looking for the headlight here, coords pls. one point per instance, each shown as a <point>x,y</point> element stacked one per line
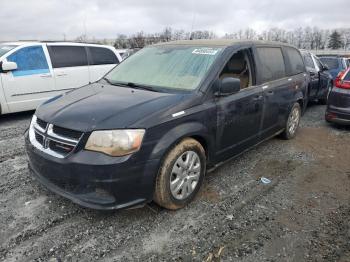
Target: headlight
<point>115,142</point>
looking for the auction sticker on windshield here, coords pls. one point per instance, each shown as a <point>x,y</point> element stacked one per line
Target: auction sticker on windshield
<point>206,51</point>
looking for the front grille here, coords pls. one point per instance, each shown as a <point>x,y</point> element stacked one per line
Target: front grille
<point>54,140</point>
<point>41,123</point>
<point>67,132</point>
<point>60,147</point>
<point>39,138</point>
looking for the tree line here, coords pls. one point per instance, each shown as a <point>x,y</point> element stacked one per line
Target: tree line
<point>304,37</point>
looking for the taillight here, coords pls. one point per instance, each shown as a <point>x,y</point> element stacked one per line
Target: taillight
<point>340,82</point>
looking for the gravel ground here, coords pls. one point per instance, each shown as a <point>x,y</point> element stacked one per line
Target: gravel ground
<point>302,215</point>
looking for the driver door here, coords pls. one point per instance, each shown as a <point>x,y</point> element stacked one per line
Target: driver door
<point>239,115</point>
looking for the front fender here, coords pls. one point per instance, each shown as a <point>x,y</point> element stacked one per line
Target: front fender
<point>174,135</point>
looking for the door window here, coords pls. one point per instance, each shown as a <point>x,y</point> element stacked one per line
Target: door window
<point>318,63</point>
<point>272,63</point>
<point>308,60</point>
<point>102,56</point>
<point>30,61</point>
<point>296,64</point>
<point>239,66</point>
<point>68,56</point>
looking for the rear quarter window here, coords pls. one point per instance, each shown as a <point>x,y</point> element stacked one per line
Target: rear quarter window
<point>68,56</point>
<point>102,56</point>
<point>272,63</point>
<point>295,62</point>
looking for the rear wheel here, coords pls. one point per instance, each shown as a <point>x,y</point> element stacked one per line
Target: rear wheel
<point>180,175</point>
<point>292,123</point>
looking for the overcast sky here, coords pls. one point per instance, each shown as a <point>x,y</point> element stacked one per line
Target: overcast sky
<point>52,19</point>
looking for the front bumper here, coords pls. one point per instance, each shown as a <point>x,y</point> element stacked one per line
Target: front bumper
<point>95,180</point>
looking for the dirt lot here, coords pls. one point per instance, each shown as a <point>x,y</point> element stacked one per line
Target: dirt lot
<point>302,215</point>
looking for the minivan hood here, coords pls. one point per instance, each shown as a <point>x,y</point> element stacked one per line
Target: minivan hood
<point>101,106</point>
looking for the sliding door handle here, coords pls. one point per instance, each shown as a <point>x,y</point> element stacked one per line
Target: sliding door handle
<point>61,74</point>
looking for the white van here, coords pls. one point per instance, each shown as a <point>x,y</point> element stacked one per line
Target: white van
<point>33,72</point>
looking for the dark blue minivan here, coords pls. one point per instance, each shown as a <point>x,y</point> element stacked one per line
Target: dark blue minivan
<point>152,126</point>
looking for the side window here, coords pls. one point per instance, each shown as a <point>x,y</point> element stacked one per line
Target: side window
<point>240,66</point>
<point>296,64</point>
<point>68,56</point>
<point>102,56</point>
<point>272,63</point>
<point>308,60</point>
<point>318,63</point>
<point>30,61</point>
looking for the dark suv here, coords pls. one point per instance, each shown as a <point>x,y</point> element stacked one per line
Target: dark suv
<point>321,81</point>
<point>152,126</point>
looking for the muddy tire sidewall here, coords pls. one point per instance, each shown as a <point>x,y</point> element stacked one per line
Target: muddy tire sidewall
<point>162,194</point>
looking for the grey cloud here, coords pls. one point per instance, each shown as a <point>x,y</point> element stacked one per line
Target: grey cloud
<point>51,19</point>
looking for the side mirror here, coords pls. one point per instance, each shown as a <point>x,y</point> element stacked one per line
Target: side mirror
<point>8,66</point>
<point>228,86</point>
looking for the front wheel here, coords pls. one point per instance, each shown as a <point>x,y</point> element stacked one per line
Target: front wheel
<point>292,123</point>
<point>180,175</point>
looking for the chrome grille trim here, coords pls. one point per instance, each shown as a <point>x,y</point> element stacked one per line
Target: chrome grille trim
<point>51,134</point>
<point>48,136</point>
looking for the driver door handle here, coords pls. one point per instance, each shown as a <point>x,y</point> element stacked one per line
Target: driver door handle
<point>46,76</point>
<point>257,97</point>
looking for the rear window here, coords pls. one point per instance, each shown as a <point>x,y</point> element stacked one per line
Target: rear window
<point>347,76</point>
<point>68,56</point>
<point>102,56</point>
<point>332,63</point>
<point>272,61</point>
<point>296,63</point>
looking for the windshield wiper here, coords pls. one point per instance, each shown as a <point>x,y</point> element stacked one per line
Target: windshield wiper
<point>130,84</point>
<point>138,86</point>
<point>107,80</point>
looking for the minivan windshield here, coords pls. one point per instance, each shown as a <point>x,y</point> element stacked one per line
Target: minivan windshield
<point>170,67</point>
<point>5,48</point>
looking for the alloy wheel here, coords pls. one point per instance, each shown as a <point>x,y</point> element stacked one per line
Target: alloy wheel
<point>185,175</point>
<point>293,120</point>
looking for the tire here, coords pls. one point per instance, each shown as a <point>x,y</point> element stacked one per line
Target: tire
<point>184,165</point>
<point>292,122</point>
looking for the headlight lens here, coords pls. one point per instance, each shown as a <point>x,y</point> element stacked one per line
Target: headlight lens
<point>116,142</point>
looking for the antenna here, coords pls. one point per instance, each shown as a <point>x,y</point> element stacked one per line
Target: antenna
<point>193,22</point>
<point>85,30</point>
